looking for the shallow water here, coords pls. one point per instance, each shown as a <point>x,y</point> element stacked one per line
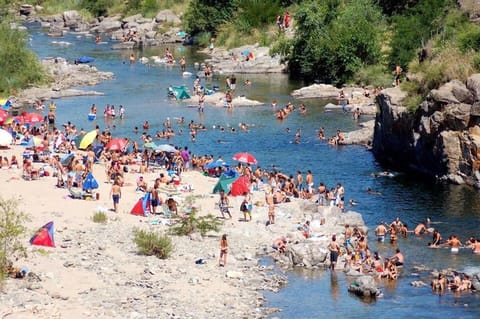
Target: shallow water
<point>142,90</point>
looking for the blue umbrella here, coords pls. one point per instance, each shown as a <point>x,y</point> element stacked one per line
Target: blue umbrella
<point>90,182</point>
<point>67,159</point>
<point>217,163</point>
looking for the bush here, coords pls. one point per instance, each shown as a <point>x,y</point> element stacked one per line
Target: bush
<point>374,75</point>
<point>99,217</point>
<point>192,223</point>
<point>17,61</point>
<point>11,230</point>
<point>150,243</point>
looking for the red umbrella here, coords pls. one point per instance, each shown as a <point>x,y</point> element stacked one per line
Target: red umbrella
<point>245,158</point>
<point>117,145</point>
<point>33,118</point>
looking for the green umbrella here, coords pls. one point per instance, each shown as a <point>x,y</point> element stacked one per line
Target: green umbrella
<point>150,145</point>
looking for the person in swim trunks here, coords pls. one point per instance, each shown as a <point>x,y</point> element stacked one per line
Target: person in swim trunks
<point>381,231</point>
<point>116,193</point>
<point>454,243</point>
<point>398,259</point>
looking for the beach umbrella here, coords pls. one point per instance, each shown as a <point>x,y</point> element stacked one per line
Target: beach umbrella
<point>217,163</point>
<point>5,138</point>
<point>117,145</point>
<point>90,182</point>
<point>88,139</point>
<point>165,148</point>
<point>33,118</point>
<point>150,145</point>
<point>67,159</point>
<point>245,158</point>
<point>32,142</point>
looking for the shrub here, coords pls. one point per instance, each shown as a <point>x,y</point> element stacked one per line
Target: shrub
<point>374,75</point>
<point>11,230</point>
<point>192,223</point>
<point>17,61</point>
<point>151,243</point>
<point>99,217</point>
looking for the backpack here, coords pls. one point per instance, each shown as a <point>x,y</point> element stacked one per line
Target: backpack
<point>243,206</point>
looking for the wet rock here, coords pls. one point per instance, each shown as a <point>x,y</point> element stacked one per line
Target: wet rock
<point>364,287</point>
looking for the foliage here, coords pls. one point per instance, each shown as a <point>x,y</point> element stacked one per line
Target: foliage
<point>391,7</point>
<point>99,217</point>
<point>207,15</point>
<point>192,223</point>
<point>374,75</point>
<point>255,14</point>
<point>333,41</point>
<point>11,230</point>
<point>20,66</point>
<point>151,243</point>
<point>415,27</point>
<point>97,7</point>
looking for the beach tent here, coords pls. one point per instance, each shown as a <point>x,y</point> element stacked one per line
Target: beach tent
<point>224,183</point>
<point>142,207</point>
<point>181,92</point>
<point>44,236</point>
<point>90,182</point>
<point>240,186</point>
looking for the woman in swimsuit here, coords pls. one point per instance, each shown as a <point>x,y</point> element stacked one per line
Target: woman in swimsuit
<point>223,251</point>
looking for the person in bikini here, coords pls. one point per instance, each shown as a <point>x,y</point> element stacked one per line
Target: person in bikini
<point>223,251</point>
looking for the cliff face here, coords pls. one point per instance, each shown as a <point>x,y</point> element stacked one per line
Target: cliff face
<point>441,139</point>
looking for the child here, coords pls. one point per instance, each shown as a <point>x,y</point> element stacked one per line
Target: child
<point>223,251</point>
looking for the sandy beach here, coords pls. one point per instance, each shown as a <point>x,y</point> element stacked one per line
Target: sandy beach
<point>95,270</point>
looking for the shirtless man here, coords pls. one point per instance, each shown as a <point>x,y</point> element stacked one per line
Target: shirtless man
<point>279,244</point>
<point>322,192</point>
<point>381,231</point>
<point>476,246</point>
<point>398,258</point>
<point>334,248</point>
<point>116,193</point>
<point>348,238</point>
<point>454,244</point>
<point>420,229</point>
<point>299,181</point>
<point>309,180</point>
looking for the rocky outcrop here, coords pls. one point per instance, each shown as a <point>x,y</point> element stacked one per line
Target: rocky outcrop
<point>237,60</point>
<point>147,32</point>
<point>65,76</point>
<point>441,139</point>
<point>362,136</point>
<point>364,287</point>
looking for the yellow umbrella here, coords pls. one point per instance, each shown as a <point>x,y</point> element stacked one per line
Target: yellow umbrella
<point>88,139</point>
<point>3,101</point>
<point>8,121</point>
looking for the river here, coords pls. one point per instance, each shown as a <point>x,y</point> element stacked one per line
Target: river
<point>309,294</point>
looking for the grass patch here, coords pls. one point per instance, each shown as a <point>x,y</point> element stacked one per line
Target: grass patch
<point>151,243</point>
<point>42,252</point>
<point>99,217</point>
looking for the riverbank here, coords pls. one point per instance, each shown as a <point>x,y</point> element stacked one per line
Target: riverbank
<point>95,270</point>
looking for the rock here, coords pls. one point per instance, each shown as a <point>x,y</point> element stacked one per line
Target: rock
<point>167,16</point>
<point>364,287</point>
<point>323,91</point>
<point>234,274</point>
<point>457,116</point>
<point>363,136</point>
<point>107,26</point>
<point>473,84</point>
<point>72,18</point>
<point>452,92</point>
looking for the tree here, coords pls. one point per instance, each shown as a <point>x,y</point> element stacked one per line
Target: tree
<point>207,15</point>
<point>333,41</point>
<point>20,66</point>
<point>11,229</point>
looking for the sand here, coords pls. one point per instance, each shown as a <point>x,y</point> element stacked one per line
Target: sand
<point>95,270</point>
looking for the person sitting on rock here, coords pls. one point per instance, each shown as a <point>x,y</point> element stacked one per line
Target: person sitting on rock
<point>280,244</point>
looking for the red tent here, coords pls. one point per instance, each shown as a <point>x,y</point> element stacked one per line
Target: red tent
<point>142,207</point>
<point>240,186</point>
<point>44,236</point>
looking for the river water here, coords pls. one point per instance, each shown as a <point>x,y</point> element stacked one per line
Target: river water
<point>455,209</point>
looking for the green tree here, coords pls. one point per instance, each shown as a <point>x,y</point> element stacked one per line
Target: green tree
<point>20,66</point>
<point>416,26</point>
<point>256,14</point>
<point>99,7</point>
<point>333,41</point>
<point>11,230</point>
<point>207,15</point>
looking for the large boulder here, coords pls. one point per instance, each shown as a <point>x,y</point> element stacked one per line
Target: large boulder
<point>316,91</point>
<point>72,18</point>
<point>108,25</point>
<point>364,287</point>
<point>167,16</point>
<point>452,92</point>
<point>473,84</point>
